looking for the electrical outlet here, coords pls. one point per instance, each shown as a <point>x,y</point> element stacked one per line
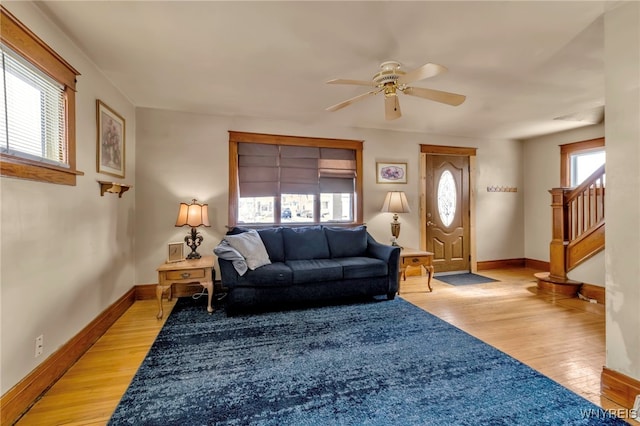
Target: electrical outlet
<point>39,345</point>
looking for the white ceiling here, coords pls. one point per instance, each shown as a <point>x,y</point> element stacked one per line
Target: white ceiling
<point>520,64</point>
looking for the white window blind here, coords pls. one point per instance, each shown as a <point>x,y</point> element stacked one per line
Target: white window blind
<point>32,112</point>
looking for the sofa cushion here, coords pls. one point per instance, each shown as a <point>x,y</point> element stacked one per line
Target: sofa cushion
<point>303,243</point>
<point>362,267</point>
<point>276,274</point>
<point>347,242</point>
<point>273,242</point>
<point>314,270</point>
<point>250,245</point>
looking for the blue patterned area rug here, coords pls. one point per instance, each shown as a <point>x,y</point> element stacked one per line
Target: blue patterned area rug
<point>464,279</point>
<point>376,363</point>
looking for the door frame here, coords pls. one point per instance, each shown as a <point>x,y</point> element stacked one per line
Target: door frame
<point>449,150</point>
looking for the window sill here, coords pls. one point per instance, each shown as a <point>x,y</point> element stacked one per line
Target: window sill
<point>294,225</point>
<point>31,170</point>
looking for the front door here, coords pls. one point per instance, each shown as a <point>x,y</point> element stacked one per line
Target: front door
<point>447,211</point>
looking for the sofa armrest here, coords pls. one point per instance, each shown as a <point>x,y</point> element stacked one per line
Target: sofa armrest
<point>228,274</point>
<point>391,255</point>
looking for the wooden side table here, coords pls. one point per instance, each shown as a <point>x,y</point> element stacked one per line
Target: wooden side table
<point>187,271</point>
<point>413,257</point>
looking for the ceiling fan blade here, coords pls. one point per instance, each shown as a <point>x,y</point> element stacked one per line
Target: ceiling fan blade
<point>356,82</point>
<point>425,71</point>
<point>392,107</point>
<point>435,95</point>
<point>352,100</point>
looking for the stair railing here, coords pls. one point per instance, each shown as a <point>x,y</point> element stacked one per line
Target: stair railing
<point>578,214</point>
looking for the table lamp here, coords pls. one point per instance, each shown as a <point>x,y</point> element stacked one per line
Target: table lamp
<point>395,202</point>
<point>193,215</point>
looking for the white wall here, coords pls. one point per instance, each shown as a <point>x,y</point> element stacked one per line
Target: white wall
<point>542,173</point>
<point>622,252</point>
<point>66,253</point>
<point>183,156</point>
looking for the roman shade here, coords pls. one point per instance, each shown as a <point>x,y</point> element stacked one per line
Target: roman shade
<point>299,169</point>
<point>258,170</point>
<point>337,170</point>
<point>266,170</point>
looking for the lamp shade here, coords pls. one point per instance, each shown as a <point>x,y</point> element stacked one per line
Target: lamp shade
<point>193,214</point>
<point>395,202</point>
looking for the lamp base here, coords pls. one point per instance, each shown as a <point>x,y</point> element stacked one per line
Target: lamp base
<point>193,240</point>
<point>395,230</point>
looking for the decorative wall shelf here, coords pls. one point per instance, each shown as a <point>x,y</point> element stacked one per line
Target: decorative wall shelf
<point>113,187</point>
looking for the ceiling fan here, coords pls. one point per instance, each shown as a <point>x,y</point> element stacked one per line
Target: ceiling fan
<point>391,79</point>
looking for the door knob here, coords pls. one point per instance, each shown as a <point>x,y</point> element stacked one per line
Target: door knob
<point>429,223</point>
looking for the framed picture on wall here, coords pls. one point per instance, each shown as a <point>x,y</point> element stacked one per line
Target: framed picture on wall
<point>391,172</point>
<point>110,149</point>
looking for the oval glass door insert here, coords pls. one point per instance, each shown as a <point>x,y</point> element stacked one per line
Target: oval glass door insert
<point>447,196</point>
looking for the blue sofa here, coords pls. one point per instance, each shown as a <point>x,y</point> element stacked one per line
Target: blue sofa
<point>309,263</point>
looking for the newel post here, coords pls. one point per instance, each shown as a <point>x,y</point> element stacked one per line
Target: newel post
<point>560,234</point>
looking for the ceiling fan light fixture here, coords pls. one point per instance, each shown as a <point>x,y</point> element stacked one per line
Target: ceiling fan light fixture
<point>390,90</point>
<point>388,74</point>
<point>391,78</point>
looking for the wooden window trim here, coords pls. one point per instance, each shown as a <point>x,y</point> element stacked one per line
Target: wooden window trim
<point>567,150</point>
<point>234,187</point>
<point>23,41</point>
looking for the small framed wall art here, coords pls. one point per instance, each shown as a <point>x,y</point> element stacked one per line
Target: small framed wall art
<point>110,141</point>
<point>176,252</point>
<point>391,172</point>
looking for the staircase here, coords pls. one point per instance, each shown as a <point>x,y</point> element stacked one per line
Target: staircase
<point>578,232</point>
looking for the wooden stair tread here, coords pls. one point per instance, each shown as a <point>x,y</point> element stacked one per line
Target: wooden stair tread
<point>565,287</point>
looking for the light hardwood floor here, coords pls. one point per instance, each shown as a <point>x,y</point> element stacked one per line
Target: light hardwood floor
<point>562,338</point>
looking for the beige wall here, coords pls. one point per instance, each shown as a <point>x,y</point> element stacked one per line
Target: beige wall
<point>499,215</point>
<point>622,252</point>
<point>66,252</point>
<point>183,156</point>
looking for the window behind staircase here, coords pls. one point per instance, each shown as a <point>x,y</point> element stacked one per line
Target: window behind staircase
<point>579,160</point>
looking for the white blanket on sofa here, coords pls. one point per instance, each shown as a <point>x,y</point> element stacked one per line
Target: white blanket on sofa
<point>226,252</point>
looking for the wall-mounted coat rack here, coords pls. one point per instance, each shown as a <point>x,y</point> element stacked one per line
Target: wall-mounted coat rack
<point>502,189</point>
<point>113,187</point>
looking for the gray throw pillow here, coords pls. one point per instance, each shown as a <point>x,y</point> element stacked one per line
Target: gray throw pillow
<point>250,246</point>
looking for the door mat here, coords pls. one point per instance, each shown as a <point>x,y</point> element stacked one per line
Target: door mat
<point>464,279</point>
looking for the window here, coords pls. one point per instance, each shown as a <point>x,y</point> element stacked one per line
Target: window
<point>584,164</point>
<point>579,160</point>
<point>447,194</point>
<point>37,108</point>
<point>294,180</point>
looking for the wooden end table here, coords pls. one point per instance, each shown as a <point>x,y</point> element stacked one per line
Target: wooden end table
<point>414,257</point>
<point>187,271</point>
